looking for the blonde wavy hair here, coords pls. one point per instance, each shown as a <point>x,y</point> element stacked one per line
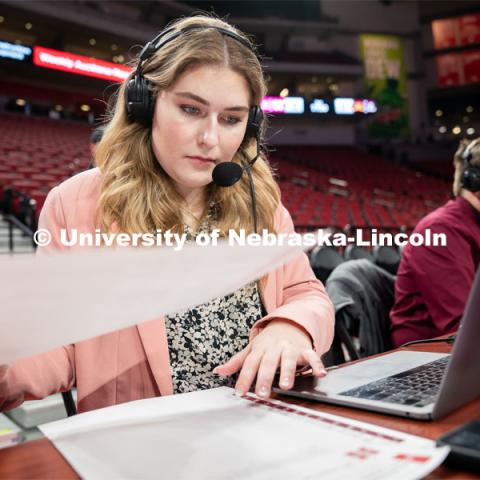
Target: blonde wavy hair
<point>137,196</point>
<point>458,161</point>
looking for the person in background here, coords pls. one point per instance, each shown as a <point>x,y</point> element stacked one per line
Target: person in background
<point>433,282</point>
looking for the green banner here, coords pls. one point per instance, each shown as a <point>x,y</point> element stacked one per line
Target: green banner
<point>386,82</point>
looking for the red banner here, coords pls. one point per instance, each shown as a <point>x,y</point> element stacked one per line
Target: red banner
<point>456,32</point>
<point>469,29</point>
<point>455,69</point>
<point>471,66</point>
<point>79,65</point>
<point>445,33</point>
<point>449,70</point>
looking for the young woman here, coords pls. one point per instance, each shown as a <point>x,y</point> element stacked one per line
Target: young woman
<point>191,105</point>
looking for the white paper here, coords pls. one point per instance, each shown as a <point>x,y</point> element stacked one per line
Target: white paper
<point>216,435</point>
<point>50,301</point>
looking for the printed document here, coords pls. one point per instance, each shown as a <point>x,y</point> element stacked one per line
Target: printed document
<point>215,435</point>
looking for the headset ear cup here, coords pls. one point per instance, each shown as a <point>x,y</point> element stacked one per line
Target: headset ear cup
<point>475,181</point>
<point>471,174</point>
<point>130,99</point>
<point>465,179</point>
<point>150,106</point>
<point>471,179</point>
<point>254,123</point>
<point>139,101</point>
<point>145,103</point>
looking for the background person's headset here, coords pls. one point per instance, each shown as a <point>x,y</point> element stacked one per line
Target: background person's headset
<point>471,174</point>
<point>140,105</point>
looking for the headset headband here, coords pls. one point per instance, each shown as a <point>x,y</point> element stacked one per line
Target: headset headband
<point>160,41</point>
<point>467,154</point>
<point>139,100</point>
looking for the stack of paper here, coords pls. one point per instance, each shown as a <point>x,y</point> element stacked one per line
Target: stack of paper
<point>216,435</point>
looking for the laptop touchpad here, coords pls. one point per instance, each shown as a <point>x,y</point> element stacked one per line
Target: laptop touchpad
<point>367,371</point>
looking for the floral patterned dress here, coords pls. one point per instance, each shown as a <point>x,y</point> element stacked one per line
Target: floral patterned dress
<point>203,337</point>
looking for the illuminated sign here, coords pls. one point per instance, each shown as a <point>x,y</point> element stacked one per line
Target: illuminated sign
<point>14,51</point>
<point>349,106</point>
<point>90,67</point>
<point>293,105</point>
<point>343,106</point>
<point>339,105</point>
<point>319,106</point>
<point>365,106</point>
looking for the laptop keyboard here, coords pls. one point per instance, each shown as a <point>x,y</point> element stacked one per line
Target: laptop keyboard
<point>415,387</point>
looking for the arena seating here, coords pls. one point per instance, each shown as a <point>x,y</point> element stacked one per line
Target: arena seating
<point>37,153</point>
<point>324,186</point>
<point>338,186</point>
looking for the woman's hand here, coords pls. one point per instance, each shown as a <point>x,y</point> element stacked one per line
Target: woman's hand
<point>280,343</point>
<point>3,370</point>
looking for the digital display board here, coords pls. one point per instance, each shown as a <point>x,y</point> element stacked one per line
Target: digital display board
<point>14,51</point>
<point>287,105</point>
<point>77,64</point>
<point>350,106</point>
<point>336,106</point>
<point>318,105</point>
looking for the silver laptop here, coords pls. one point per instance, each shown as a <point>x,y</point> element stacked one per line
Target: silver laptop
<point>420,385</point>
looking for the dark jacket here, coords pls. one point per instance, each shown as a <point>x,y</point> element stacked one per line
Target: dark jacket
<point>363,295</point>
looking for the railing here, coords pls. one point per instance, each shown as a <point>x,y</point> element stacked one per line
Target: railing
<point>23,218</point>
<point>14,222</point>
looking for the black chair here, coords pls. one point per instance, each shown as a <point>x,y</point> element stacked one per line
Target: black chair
<point>324,260</point>
<point>363,295</point>
<point>387,257</point>
<point>401,248</point>
<point>354,252</point>
<point>69,403</point>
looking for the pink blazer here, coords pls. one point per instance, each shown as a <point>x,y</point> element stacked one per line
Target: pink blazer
<point>133,363</point>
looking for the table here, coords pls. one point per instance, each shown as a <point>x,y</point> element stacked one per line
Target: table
<point>40,459</point>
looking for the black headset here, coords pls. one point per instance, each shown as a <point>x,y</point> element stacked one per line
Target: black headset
<point>140,102</point>
<point>471,175</point>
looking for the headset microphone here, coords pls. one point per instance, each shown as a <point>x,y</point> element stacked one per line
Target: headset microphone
<point>226,174</point>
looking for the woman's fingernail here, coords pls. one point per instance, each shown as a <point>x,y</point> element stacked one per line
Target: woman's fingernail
<point>263,392</point>
<point>215,371</point>
<point>239,392</point>
<point>285,382</point>
<point>323,371</point>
